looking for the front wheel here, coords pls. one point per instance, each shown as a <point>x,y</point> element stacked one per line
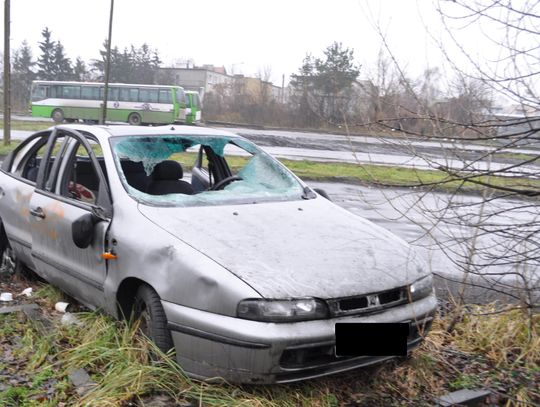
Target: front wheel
<point>152,319</point>
<point>134,119</point>
<point>58,115</point>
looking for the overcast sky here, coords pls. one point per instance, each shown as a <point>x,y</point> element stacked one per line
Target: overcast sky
<point>245,36</point>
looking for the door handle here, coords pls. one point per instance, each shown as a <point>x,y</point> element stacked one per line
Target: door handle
<point>37,212</point>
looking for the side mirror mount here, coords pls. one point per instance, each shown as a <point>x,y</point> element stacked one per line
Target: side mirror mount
<point>82,230</point>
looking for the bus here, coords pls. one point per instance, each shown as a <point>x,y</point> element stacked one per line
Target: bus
<point>193,107</point>
<point>131,103</point>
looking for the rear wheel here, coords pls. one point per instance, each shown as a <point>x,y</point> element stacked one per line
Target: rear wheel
<point>134,119</point>
<point>152,319</point>
<point>58,115</point>
<point>9,264</point>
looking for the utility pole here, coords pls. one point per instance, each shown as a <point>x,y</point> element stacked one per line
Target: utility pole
<point>282,88</point>
<point>107,69</point>
<point>7,75</point>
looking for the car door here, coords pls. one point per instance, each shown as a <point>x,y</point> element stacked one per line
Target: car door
<point>209,168</point>
<point>19,173</point>
<point>70,189</point>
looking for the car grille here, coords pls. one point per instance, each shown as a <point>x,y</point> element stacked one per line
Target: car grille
<point>367,303</point>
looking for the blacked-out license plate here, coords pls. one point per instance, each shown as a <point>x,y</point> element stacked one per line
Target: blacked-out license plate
<point>371,339</point>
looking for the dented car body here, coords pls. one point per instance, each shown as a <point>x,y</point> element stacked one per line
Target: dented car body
<point>220,250</point>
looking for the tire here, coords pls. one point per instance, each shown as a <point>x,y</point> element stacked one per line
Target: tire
<point>9,264</point>
<point>58,115</point>
<point>134,119</point>
<point>152,319</point>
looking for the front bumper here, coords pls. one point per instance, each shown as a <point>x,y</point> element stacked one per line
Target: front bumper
<point>209,345</point>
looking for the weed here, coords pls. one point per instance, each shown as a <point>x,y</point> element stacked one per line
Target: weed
<point>485,349</point>
<point>506,338</point>
<point>42,376</point>
<point>14,396</point>
<point>464,381</point>
<point>50,294</point>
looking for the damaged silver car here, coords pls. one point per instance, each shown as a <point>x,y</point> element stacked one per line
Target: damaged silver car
<point>220,251</point>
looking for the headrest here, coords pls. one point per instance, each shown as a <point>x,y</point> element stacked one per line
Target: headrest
<point>130,167</point>
<point>168,170</point>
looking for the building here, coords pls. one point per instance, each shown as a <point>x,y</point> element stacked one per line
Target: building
<point>205,78</point>
<point>212,79</point>
<point>256,89</point>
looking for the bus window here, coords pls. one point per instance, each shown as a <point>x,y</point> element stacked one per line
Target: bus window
<point>181,97</point>
<point>39,93</point>
<point>165,96</point>
<point>124,94</point>
<point>129,95</point>
<point>55,91</point>
<point>195,102</point>
<point>90,92</point>
<point>113,94</point>
<point>71,92</point>
<point>148,95</point>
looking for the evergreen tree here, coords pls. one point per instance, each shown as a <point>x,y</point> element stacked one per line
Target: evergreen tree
<point>303,84</point>
<point>325,85</point>
<point>61,64</point>
<point>46,69</point>
<point>119,66</point>
<point>133,65</point>
<point>337,72</point>
<point>80,71</point>
<point>22,76</point>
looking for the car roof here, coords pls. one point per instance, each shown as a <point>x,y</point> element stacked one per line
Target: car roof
<point>105,132</point>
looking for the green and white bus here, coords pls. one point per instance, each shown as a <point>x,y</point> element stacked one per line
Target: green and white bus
<point>193,107</point>
<point>131,103</point>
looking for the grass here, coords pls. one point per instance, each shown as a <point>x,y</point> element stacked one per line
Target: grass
<point>28,125</point>
<point>400,177</point>
<point>520,157</point>
<point>487,348</point>
<point>379,175</point>
<point>6,149</point>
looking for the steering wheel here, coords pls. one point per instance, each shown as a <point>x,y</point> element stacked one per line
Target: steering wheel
<point>224,182</point>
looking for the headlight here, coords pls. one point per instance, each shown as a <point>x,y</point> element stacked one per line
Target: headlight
<point>421,288</point>
<point>302,309</point>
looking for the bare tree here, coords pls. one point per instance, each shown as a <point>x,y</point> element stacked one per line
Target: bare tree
<point>493,238</point>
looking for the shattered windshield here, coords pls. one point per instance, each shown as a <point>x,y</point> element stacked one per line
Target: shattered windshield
<point>200,170</point>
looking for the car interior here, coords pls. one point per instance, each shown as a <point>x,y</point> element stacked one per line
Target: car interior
<point>165,179</point>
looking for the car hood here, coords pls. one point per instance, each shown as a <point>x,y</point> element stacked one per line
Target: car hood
<point>309,248</point>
